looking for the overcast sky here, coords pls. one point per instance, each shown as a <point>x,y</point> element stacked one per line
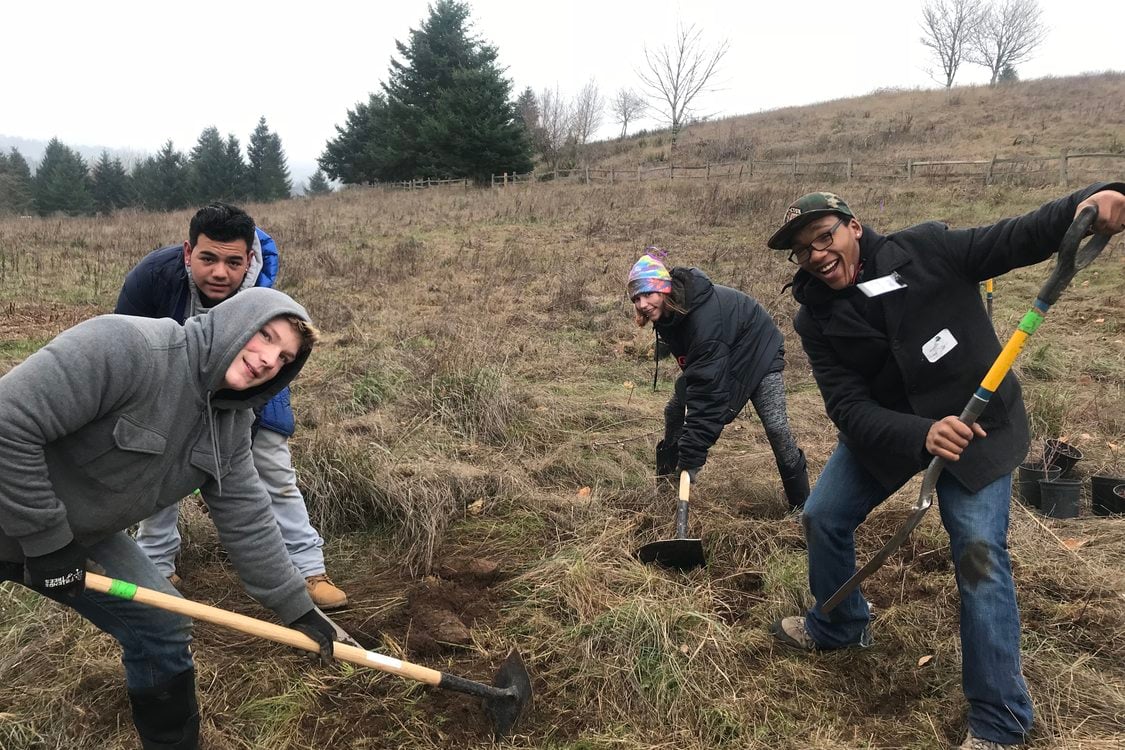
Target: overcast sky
<point>130,75</point>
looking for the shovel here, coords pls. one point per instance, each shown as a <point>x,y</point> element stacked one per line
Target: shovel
<point>1073,257</point>
<point>681,553</point>
<point>504,700</point>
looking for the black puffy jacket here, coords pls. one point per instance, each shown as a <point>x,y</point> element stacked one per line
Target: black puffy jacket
<point>725,343</point>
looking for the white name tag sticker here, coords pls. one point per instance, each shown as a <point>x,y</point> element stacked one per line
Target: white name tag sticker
<point>882,285</point>
<point>939,346</point>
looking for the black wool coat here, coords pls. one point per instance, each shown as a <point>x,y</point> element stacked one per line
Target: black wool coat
<point>725,343</point>
<point>879,388</point>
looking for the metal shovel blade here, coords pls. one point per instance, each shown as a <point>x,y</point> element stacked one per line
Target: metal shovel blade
<point>679,554</point>
<point>505,710</point>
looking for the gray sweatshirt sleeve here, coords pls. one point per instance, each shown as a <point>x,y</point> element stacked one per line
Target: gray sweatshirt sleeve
<point>251,537</point>
<point>56,391</point>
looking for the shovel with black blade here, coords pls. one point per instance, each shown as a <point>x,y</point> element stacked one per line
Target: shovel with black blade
<point>680,553</point>
<point>1073,257</point>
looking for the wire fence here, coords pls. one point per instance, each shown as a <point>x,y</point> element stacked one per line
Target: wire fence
<point>1032,171</point>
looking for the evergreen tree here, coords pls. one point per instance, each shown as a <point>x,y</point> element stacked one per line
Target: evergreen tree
<point>318,184</point>
<point>216,168</point>
<point>446,112</point>
<point>16,193</point>
<point>112,188</point>
<point>236,169</point>
<point>162,180</point>
<point>268,173</point>
<point>359,152</point>
<point>62,182</point>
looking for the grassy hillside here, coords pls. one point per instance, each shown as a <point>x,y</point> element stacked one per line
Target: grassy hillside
<point>475,441</point>
<point>1031,118</point>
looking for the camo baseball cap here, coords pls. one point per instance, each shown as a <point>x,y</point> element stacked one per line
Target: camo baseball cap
<point>804,210</point>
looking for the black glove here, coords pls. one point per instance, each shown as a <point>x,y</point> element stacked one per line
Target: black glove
<point>666,457</point>
<point>11,571</point>
<point>60,572</point>
<point>318,627</point>
<point>692,473</point>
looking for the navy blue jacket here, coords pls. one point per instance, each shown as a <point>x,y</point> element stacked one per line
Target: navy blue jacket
<point>157,287</point>
<point>725,343</point>
<point>879,388</point>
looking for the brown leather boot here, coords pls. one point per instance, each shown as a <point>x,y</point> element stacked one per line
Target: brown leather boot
<point>324,593</point>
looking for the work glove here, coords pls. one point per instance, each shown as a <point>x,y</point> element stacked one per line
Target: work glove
<point>11,571</point>
<point>692,473</point>
<point>666,455</point>
<point>61,572</point>
<point>318,627</point>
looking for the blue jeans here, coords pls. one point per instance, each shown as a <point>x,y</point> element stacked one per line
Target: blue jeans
<point>977,523</point>
<point>155,643</point>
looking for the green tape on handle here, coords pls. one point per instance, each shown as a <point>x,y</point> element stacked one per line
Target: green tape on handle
<point>1031,321</point>
<point>122,589</point>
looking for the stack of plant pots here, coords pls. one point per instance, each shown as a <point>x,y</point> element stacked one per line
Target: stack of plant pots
<point>1060,496</point>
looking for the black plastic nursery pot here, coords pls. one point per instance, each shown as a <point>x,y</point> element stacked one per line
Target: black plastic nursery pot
<point>1062,455</point>
<point>1059,498</point>
<point>1103,501</point>
<point>1027,482</point>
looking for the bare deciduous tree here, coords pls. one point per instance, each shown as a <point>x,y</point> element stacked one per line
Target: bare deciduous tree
<point>556,124</point>
<point>948,28</point>
<point>626,106</point>
<point>1008,34</point>
<point>674,75</point>
<point>588,108</point>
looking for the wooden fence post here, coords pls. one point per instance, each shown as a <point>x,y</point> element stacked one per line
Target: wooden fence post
<point>671,171</point>
<point>587,175</point>
<point>1062,168</point>
<point>849,176</point>
<point>639,178</point>
<point>991,167</point>
<point>505,179</point>
<point>909,169</point>
<point>611,175</point>
<point>707,176</point>
<point>794,166</point>
<point>740,173</point>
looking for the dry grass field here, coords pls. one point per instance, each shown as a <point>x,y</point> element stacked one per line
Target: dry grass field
<point>475,440</point>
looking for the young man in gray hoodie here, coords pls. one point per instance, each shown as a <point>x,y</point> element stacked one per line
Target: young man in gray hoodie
<point>119,417</point>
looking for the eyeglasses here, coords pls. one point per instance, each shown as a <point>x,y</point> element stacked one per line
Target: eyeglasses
<point>822,241</point>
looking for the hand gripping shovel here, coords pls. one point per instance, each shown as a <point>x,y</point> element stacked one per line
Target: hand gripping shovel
<point>504,700</point>
<point>681,553</point>
<point>1073,257</point>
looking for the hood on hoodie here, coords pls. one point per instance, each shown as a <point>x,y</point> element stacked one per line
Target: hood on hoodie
<point>690,289</point>
<point>220,335</point>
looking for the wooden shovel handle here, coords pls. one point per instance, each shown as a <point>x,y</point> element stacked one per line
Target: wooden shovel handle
<point>259,628</point>
<point>685,485</point>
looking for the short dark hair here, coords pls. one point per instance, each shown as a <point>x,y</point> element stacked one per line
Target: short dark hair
<point>222,222</point>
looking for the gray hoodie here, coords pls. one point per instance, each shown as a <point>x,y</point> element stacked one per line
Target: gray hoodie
<point>120,416</point>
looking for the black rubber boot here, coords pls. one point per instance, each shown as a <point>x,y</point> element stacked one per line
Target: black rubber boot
<point>167,715</point>
<point>796,484</point>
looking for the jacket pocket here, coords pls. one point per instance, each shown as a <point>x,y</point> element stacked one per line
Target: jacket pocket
<point>125,458</point>
<point>204,460</point>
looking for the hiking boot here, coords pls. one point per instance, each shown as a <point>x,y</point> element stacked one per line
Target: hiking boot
<point>791,631</point>
<point>976,743</point>
<point>324,593</point>
<point>176,581</point>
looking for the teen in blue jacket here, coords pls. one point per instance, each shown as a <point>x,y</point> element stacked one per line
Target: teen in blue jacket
<point>225,253</point>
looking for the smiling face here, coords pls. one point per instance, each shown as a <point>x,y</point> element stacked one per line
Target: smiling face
<point>273,346</point>
<point>837,263</point>
<point>649,305</point>
<point>217,268</point>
